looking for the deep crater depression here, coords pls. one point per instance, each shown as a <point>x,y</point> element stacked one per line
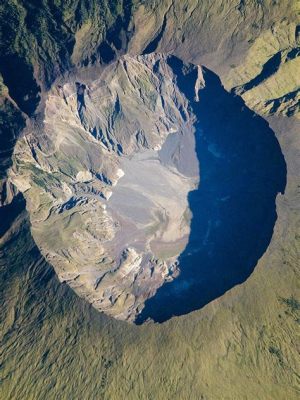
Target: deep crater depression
<point>152,189</point>
<point>242,170</point>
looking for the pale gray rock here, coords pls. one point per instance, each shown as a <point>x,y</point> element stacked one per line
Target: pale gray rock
<point>106,180</point>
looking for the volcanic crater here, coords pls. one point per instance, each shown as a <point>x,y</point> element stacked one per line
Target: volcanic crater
<point>151,189</point>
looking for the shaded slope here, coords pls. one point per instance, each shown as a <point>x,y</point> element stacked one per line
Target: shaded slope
<point>242,170</point>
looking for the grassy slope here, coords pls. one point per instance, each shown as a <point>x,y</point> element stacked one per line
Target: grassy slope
<point>242,346</point>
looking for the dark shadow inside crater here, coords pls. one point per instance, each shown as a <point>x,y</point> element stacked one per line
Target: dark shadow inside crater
<point>242,169</point>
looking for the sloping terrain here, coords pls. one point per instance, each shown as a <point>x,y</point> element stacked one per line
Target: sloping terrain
<point>243,345</point>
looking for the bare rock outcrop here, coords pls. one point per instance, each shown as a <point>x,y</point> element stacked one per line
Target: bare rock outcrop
<point>106,180</point>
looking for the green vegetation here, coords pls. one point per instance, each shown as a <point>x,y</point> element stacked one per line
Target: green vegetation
<point>37,40</point>
<point>292,303</point>
<point>11,123</point>
<point>55,346</point>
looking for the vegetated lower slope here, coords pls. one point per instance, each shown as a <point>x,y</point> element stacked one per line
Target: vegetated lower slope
<point>54,345</point>
<point>243,345</point>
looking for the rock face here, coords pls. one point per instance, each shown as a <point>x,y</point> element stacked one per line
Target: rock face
<point>106,177</point>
